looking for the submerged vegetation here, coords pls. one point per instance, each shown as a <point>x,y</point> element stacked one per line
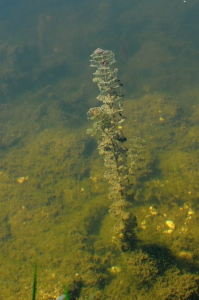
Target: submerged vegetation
<point>144,266</point>
<point>65,194</point>
<point>34,286</point>
<point>55,204</point>
<point>111,144</point>
<point>72,210</point>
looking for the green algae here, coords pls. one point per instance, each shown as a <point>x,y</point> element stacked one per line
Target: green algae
<point>62,209</point>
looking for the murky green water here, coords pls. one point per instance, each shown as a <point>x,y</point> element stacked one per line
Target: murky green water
<point>53,196</point>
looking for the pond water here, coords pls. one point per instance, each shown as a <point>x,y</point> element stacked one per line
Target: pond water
<point>54,198</point>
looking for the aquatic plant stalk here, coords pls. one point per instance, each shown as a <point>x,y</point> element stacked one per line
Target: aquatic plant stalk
<point>66,293</point>
<point>34,286</point>
<point>107,124</point>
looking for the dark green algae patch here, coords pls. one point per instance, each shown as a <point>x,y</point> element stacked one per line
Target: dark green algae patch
<point>58,216</point>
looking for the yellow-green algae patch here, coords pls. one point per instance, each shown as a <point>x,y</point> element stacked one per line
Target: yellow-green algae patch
<point>59,215</point>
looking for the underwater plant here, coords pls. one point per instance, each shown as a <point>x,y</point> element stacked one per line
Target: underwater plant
<point>34,286</point>
<point>119,159</point>
<point>65,295</point>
